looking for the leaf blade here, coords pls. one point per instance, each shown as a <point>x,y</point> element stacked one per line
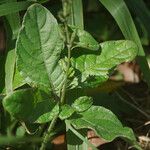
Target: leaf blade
<point>126,24</point>
<point>104,123</point>
<point>112,53</point>
<point>30,105</point>
<point>40,55</point>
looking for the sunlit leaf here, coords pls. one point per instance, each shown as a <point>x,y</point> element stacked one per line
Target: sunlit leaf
<point>38,47</point>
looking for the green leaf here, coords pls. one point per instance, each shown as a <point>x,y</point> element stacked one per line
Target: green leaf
<point>12,7</point>
<point>14,22</point>
<point>38,49</point>
<point>112,54</point>
<point>12,26</point>
<point>18,80</point>
<point>76,16</point>
<point>82,103</point>
<point>126,24</point>
<point>66,112</point>
<point>103,122</point>
<point>49,115</point>
<point>29,105</point>
<point>9,70</point>
<point>84,39</point>
<point>140,9</point>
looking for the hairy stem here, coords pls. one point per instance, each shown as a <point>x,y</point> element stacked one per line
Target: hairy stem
<point>48,133</point>
<point>69,43</point>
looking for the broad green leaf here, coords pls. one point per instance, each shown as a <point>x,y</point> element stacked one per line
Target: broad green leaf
<point>84,39</point>
<point>100,63</point>
<point>29,105</point>
<point>82,103</point>
<point>104,123</point>
<point>38,49</point>
<point>13,7</point>
<point>66,112</point>
<point>121,14</point>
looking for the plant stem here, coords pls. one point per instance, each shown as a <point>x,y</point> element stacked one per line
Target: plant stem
<point>69,46</point>
<point>80,135</point>
<point>69,42</point>
<point>48,133</point>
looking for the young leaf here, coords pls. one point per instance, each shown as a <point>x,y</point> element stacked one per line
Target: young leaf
<point>66,112</point>
<point>29,105</point>
<point>82,103</point>
<point>38,48</point>
<point>84,39</point>
<point>112,54</point>
<point>103,122</point>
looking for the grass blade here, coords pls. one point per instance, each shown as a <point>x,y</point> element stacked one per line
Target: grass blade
<point>13,7</point>
<point>12,26</point>
<point>76,17</point>
<point>141,11</point>
<point>121,14</point>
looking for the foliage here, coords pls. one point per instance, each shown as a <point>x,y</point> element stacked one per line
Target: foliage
<point>47,58</point>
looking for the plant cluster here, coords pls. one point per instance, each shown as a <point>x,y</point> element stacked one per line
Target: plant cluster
<point>48,62</point>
